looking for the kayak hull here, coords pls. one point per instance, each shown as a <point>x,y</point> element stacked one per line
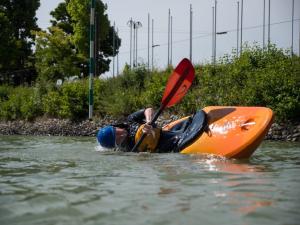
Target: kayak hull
<point>232,132</point>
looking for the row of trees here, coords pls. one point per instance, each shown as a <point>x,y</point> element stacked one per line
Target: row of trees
<point>27,52</point>
<point>16,39</point>
<point>256,78</point>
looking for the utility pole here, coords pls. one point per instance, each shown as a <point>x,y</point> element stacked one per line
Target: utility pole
<point>264,24</point>
<point>171,50</point>
<point>96,44</point>
<point>133,50</point>
<point>114,46</point>
<point>136,45</point>
<point>92,58</point>
<point>237,28</point>
<point>269,23</point>
<point>242,11</point>
<point>148,42</point>
<point>152,45</point>
<point>118,53</point>
<point>213,36</point>
<point>215,45</point>
<point>292,48</point>
<point>191,33</point>
<point>169,22</point>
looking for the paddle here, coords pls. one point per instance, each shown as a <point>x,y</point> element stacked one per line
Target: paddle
<point>178,84</point>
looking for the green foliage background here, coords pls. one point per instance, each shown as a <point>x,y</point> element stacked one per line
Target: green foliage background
<point>259,77</point>
<point>17,20</point>
<point>28,53</point>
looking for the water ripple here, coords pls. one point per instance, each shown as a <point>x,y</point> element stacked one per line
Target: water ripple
<point>60,180</point>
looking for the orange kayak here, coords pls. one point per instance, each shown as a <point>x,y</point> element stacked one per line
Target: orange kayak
<point>232,132</point>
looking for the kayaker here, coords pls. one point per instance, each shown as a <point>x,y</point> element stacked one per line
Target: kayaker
<point>124,135</point>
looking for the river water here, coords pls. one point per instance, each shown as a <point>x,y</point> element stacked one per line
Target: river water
<point>64,180</point>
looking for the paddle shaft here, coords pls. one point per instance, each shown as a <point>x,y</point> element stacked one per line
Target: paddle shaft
<point>163,106</point>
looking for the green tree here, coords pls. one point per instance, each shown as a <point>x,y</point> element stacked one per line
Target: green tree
<point>79,11</point>
<point>55,57</point>
<point>61,17</point>
<point>7,43</point>
<point>71,21</point>
<point>17,19</point>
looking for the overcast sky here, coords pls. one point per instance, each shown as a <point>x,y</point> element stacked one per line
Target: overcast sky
<point>121,11</point>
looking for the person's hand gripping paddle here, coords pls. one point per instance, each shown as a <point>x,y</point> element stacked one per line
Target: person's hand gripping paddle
<point>178,84</point>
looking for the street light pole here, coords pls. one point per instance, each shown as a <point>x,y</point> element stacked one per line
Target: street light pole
<point>130,23</point>
<point>153,46</point>
<point>222,32</point>
<point>137,26</point>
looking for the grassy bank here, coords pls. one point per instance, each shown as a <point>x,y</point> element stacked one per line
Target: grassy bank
<point>256,78</point>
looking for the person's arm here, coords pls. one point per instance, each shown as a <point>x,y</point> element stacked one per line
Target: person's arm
<point>138,116</point>
<point>148,129</point>
<point>148,114</point>
<point>141,116</point>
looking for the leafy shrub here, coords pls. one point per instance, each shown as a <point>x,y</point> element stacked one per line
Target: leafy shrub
<point>52,103</point>
<point>69,101</point>
<point>121,95</point>
<point>5,92</point>
<point>22,103</point>
<point>257,78</point>
<point>154,88</point>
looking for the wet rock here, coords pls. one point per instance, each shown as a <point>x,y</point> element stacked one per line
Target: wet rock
<point>296,135</point>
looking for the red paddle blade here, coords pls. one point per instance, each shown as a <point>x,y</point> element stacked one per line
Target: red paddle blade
<point>179,83</point>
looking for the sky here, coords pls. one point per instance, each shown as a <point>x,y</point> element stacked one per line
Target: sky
<point>120,12</point>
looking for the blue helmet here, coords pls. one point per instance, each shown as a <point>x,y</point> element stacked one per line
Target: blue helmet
<point>107,136</point>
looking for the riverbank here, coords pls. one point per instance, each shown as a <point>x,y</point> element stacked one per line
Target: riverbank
<point>58,127</point>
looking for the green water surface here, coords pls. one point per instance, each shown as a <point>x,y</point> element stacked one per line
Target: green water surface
<point>64,180</point>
